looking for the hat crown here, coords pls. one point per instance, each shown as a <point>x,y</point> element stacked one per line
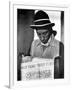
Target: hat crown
<point>41,20</point>
<point>41,15</point>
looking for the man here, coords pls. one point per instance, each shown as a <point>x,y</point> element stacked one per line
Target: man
<point>47,46</point>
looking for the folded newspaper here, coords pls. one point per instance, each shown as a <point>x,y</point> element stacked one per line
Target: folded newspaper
<point>39,68</point>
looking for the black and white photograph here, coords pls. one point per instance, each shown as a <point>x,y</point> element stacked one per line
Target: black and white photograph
<point>40,44</point>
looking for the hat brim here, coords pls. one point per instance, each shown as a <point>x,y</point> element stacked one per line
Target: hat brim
<point>42,26</point>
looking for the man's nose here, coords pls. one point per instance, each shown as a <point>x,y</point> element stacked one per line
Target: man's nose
<point>42,37</point>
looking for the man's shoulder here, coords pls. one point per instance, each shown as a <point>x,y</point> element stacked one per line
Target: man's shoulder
<point>58,42</point>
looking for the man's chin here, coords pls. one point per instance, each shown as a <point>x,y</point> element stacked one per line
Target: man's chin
<point>44,42</point>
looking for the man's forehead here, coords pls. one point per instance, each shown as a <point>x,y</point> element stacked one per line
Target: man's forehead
<point>42,30</point>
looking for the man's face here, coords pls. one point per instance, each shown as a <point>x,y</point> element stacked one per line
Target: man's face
<point>43,35</point>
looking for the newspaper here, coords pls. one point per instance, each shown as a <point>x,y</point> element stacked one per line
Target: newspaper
<point>39,68</point>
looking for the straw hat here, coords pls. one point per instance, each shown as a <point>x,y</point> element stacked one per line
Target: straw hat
<point>41,19</point>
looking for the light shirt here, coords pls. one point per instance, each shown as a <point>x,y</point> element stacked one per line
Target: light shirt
<point>51,49</point>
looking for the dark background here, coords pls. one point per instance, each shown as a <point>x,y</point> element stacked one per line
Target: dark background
<point>25,35</point>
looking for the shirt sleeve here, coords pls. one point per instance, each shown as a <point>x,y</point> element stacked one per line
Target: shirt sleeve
<point>32,49</point>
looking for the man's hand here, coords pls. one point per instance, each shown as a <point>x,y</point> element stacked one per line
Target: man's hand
<point>26,59</point>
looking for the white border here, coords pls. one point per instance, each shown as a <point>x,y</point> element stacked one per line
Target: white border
<point>13,46</point>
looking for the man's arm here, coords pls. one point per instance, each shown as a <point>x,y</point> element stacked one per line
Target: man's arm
<point>59,63</point>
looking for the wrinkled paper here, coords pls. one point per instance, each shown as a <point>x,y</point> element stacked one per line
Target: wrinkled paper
<point>39,68</point>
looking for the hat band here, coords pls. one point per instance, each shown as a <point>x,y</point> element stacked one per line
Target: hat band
<point>40,25</point>
<point>42,22</point>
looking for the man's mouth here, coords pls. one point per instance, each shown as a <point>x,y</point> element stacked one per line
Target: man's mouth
<point>43,41</point>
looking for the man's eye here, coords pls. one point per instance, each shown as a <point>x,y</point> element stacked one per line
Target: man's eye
<point>39,34</point>
<point>44,33</point>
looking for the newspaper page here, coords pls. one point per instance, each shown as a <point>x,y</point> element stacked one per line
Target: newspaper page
<point>39,68</point>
